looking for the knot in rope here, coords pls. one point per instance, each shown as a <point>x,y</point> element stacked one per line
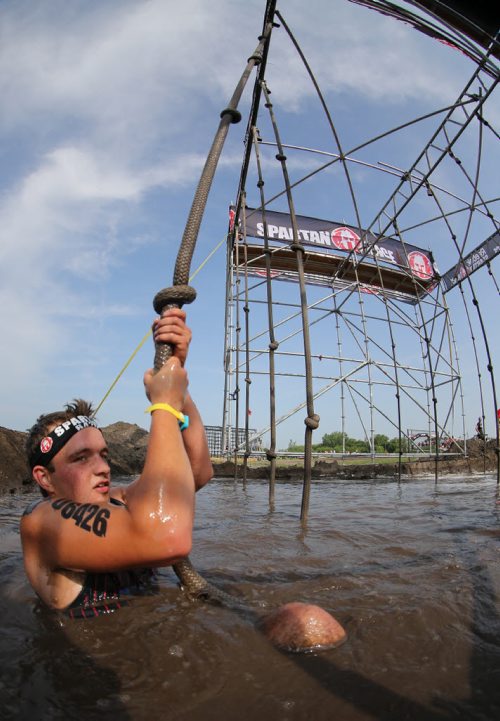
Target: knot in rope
<point>233,115</point>
<point>256,57</point>
<point>270,455</point>
<point>177,295</point>
<point>274,345</point>
<point>312,421</point>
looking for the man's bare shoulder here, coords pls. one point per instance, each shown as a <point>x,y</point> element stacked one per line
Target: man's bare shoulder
<point>48,516</point>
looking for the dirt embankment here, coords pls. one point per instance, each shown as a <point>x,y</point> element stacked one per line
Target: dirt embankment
<point>128,442</point>
<point>481,457</point>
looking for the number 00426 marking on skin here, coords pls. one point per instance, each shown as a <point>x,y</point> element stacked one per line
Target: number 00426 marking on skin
<point>85,515</point>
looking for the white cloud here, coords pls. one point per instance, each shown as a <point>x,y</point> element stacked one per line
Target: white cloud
<point>105,104</point>
<point>116,70</point>
<point>131,65</point>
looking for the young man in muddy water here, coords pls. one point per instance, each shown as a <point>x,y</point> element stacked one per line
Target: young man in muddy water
<point>86,544</point>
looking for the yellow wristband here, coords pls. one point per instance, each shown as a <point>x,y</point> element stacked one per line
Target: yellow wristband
<point>183,419</point>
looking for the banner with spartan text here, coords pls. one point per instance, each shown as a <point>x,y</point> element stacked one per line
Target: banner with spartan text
<point>481,255</point>
<point>328,236</point>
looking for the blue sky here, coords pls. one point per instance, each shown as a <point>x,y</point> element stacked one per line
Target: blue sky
<point>108,111</point>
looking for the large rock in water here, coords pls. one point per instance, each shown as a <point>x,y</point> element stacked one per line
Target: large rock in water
<point>302,628</point>
<point>127,448</point>
<point>14,471</point>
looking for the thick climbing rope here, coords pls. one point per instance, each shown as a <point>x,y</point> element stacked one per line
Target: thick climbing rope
<point>181,292</point>
<point>312,419</point>
<point>237,389</point>
<point>273,343</point>
<point>248,380</point>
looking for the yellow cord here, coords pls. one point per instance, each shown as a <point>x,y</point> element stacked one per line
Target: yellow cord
<point>148,334</point>
<point>123,370</point>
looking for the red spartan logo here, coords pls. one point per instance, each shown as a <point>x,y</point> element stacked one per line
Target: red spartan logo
<point>345,239</point>
<point>46,444</point>
<point>420,265</point>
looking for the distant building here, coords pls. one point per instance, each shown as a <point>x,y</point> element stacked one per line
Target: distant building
<point>214,439</point>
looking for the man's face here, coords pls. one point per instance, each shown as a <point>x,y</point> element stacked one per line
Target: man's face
<point>81,470</point>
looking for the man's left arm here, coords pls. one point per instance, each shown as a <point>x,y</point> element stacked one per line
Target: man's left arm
<point>195,443</point>
<point>171,328</point>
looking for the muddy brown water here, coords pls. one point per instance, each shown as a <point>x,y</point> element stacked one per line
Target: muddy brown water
<point>411,570</point>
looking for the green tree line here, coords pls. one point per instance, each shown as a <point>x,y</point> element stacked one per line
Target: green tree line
<point>338,441</point>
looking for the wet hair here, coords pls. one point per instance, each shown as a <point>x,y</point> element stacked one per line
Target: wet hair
<point>47,421</point>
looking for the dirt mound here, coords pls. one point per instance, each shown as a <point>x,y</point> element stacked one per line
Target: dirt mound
<point>127,448</point>
<point>14,471</point>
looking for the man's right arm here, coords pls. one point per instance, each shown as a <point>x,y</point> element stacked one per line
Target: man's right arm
<point>155,526</point>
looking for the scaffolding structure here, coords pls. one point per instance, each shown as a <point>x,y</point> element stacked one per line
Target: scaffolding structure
<point>345,337</point>
<point>353,325</point>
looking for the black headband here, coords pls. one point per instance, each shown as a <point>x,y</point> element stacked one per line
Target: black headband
<point>52,443</point>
